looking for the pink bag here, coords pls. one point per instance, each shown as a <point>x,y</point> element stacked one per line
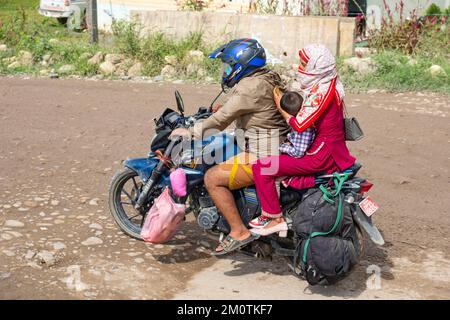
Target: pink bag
<point>163,219</point>
<point>178,182</point>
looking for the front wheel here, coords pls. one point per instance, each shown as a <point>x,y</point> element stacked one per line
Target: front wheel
<point>124,190</point>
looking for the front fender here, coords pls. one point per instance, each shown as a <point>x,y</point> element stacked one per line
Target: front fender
<point>143,166</point>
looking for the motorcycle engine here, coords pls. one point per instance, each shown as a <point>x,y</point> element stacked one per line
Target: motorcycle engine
<point>207,218</point>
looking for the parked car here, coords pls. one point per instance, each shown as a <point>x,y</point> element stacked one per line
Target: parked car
<point>70,12</point>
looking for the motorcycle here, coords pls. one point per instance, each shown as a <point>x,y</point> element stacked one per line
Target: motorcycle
<point>134,188</point>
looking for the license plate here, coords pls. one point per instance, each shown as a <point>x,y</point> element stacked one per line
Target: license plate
<point>368,206</point>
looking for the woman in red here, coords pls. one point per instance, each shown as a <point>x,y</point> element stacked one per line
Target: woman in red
<point>323,110</point>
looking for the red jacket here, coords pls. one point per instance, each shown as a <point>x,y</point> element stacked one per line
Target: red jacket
<point>330,132</point>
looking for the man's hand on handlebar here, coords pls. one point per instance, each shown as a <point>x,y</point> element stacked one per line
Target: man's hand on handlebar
<point>180,132</point>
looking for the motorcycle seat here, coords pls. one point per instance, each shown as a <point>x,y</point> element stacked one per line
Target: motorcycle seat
<point>290,195</point>
<point>351,171</point>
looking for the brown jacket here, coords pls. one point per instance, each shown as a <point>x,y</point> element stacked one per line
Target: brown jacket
<point>251,106</point>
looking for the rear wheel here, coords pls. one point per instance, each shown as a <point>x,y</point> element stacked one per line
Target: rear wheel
<point>360,239</point>
<point>124,191</point>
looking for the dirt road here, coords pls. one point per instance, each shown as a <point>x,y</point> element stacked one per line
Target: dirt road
<point>62,140</point>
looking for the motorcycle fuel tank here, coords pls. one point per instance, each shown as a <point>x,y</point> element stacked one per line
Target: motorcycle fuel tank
<point>214,149</point>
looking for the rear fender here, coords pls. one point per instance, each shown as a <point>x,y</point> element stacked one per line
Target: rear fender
<point>365,223</point>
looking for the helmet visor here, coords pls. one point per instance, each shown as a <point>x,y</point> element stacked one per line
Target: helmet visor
<point>226,70</point>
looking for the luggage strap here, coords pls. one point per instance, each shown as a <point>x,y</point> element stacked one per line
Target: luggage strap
<point>328,196</point>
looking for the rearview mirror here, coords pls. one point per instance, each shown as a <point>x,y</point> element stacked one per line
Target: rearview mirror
<point>180,104</point>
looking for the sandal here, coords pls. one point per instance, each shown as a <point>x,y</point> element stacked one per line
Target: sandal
<point>231,244</point>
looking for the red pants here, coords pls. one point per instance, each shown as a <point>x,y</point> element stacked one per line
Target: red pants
<point>303,171</point>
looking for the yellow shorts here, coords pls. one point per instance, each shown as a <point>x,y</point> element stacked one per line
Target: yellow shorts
<point>239,169</point>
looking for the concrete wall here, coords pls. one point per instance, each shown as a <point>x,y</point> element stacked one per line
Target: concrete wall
<point>282,36</point>
<point>120,9</point>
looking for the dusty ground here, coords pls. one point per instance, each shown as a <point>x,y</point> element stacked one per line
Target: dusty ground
<point>62,140</point>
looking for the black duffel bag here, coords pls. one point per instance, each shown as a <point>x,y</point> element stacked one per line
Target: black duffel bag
<point>327,243</point>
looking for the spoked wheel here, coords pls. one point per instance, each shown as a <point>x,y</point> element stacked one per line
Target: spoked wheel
<point>124,190</point>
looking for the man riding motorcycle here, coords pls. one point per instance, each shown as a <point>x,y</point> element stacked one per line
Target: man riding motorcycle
<point>251,105</point>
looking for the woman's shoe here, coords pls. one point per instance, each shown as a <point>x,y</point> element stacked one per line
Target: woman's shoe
<point>281,228</point>
<point>259,222</point>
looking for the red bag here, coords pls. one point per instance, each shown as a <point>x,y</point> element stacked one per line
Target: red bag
<point>163,219</point>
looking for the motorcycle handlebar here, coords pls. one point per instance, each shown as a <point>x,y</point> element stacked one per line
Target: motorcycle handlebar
<point>190,120</point>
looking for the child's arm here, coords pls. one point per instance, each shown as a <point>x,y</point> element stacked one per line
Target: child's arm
<point>300,143</point>
<point>289,149</point>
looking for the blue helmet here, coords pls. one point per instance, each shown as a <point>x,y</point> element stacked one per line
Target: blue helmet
<point>240,57</point>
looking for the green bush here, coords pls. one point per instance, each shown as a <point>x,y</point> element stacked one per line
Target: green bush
<point>193,5</point>
<point>447,11</point>
<point>126,37</point>
<point>434,43</point>
<point>424,39</point>
<point>409,34</point>
<point>433,9</point>
<point>19,32</point>
<point>152,48</point>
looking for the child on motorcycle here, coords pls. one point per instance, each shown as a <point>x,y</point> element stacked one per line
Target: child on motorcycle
<point>297,142</point>
<point>328,153</point>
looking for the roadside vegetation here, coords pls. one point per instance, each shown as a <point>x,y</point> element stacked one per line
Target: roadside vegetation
<point>403,55</point>
<point>40,46</point>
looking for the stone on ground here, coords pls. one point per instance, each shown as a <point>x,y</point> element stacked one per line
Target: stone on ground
<point>168,72</point>
<point>67,68</point>
<point>135,70</point>
<point>107,68</point>
<point>436,70</point>
<point>46,258</point>
<point>363,66</point>
<point>25,58</point>
<point>14,224</point>
<point>114,58</point>
<point>96,59</point>
<point>195,56</point>
<point>171,60</point>
<point>92,241</point>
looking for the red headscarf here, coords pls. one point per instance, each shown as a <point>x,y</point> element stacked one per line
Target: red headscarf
<point>319,82</point>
